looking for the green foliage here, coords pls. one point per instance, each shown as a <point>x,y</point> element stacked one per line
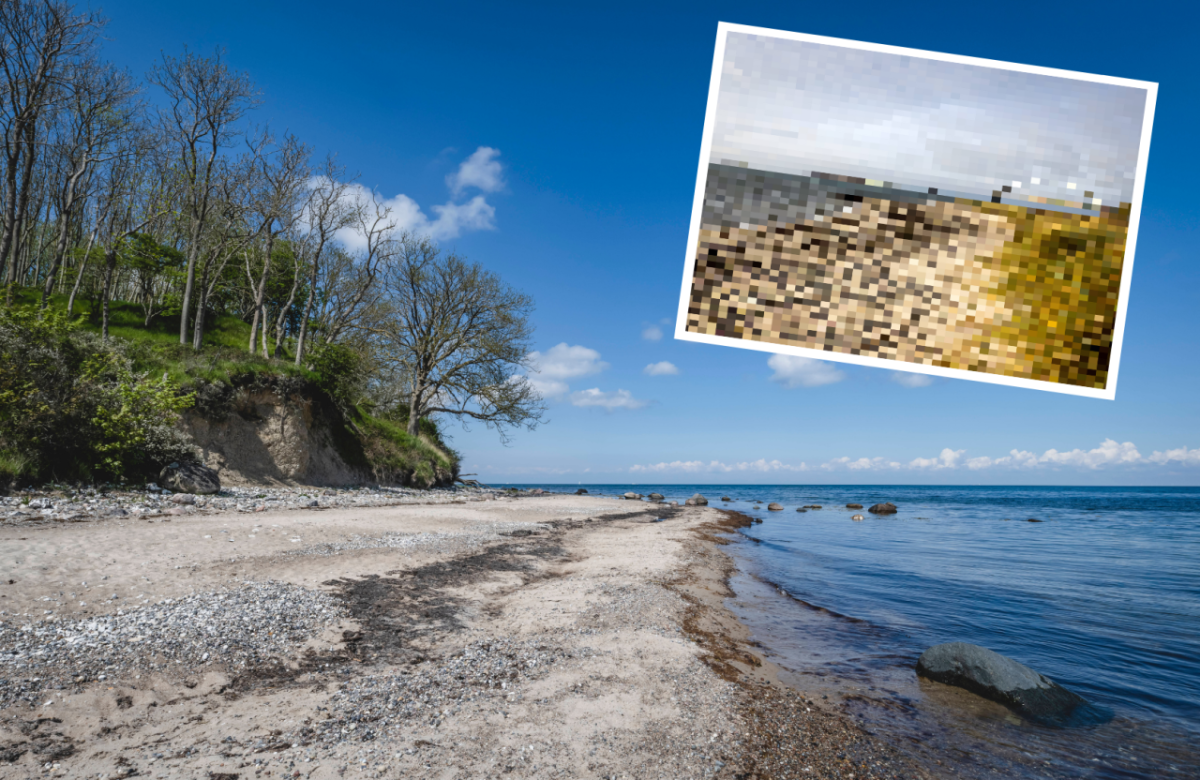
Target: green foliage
<point>340,372</point>
<point>396,456</point>
<point>129,409</point>
<point>72,406</point>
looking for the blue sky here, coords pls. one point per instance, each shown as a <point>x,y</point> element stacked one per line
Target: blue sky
<point>594,116</point>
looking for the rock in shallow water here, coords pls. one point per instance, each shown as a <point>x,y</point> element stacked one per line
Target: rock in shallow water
<point>775,507</point>
<point>887,508</point>
<point>697,500</point>
<point>1001,679</point>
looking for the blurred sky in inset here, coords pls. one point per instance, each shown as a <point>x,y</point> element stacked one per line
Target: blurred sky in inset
<point>796,107</point>
<point>597,113</point>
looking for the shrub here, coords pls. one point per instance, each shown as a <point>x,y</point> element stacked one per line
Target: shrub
<point>340,373</point>
<point>71,406</point>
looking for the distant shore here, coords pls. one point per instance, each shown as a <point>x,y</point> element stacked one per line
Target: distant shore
<point>547,636</point>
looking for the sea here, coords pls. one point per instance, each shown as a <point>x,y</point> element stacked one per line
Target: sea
<point>1101,594</point>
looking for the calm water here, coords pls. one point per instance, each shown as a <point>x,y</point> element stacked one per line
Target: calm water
<point>1103,596</point>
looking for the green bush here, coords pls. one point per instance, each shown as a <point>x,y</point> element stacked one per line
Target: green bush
<point>71,406</point>
<point>340,372</point>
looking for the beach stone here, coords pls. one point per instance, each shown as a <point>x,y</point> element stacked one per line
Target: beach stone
<point>725,498</point>
<point>854,506</point>
<point>883,509</point>
<point>993,676</point>
<point>655,496</point>
<point>581,492</point>
<point>697,500</point>
<point>814,506</point>
<point>182,498</point>
<point>775,507</point>
<point>857,518</point>
<point>801,509</point>
<point>632,496</point>
<point>190,478</point>
<point>537,491</point>
<point>1033,520</point>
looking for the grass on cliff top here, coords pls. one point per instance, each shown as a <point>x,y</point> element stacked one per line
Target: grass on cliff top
<point>393,450</point>
<point>156,349</point>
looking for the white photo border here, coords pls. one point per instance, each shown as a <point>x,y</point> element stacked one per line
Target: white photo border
<point>710,115</point>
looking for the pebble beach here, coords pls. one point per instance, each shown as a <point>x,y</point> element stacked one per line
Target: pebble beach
<point>390,633</point>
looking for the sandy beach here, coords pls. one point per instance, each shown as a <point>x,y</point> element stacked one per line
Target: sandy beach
<point>541,636</point>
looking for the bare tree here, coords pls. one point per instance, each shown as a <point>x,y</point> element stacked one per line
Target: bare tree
<point>227,235</point>
<point>38,38</point>
<point>329,210</point>
<point>100,110</point>
<point>349,280</point>
<point>279,205</point>
<point>136,193</point>
<point>205,102</point>
<point>455,336</point>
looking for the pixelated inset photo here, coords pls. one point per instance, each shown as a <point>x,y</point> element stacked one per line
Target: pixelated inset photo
<point>918,211</point>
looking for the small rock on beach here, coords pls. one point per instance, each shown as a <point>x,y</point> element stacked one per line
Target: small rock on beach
<point>190,478</point>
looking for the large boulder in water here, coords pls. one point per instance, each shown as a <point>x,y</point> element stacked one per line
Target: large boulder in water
<point>194,478</point>
<point>774,507</point>
<point>1001,679</point>
<point>887,508</point>
<point>697,500</point>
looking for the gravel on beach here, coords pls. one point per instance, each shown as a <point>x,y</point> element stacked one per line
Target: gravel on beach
<point>491,648</point>
<point>73,504</point>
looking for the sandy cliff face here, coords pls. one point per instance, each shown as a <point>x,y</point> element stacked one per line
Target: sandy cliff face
<point>268,433</point>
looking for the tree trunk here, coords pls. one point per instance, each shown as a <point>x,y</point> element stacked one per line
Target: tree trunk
<point>414,412</point>
<point>187,289</point>
<point>60,250</point>
<point>260,312</point>
<point>202,301</point>
<point>82,265</point>
<point>10,215</point>
<point>23,204</point>
<point>110,266</point>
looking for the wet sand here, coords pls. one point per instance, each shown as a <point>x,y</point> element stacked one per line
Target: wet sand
<point>550,636</point>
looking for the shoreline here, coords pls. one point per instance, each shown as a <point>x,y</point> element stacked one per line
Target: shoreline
<point>549,636</point>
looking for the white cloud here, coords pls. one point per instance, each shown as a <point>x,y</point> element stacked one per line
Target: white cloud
<point>481,170</point>
<point>1017,459</point>
<point>794,371</point>
<point>451,219</point>
<point>694,466</point>
<point>1182,455</point>
<point>618,399</point>
<point>549,388</point>
<point>455,218</point>
<point>948,459</point>
<point>661,368</point>
<point>1107,453</point>
<point>909,379</point>
<point>560,362</point>
<point>566,362</point>
<point>652,333</point>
